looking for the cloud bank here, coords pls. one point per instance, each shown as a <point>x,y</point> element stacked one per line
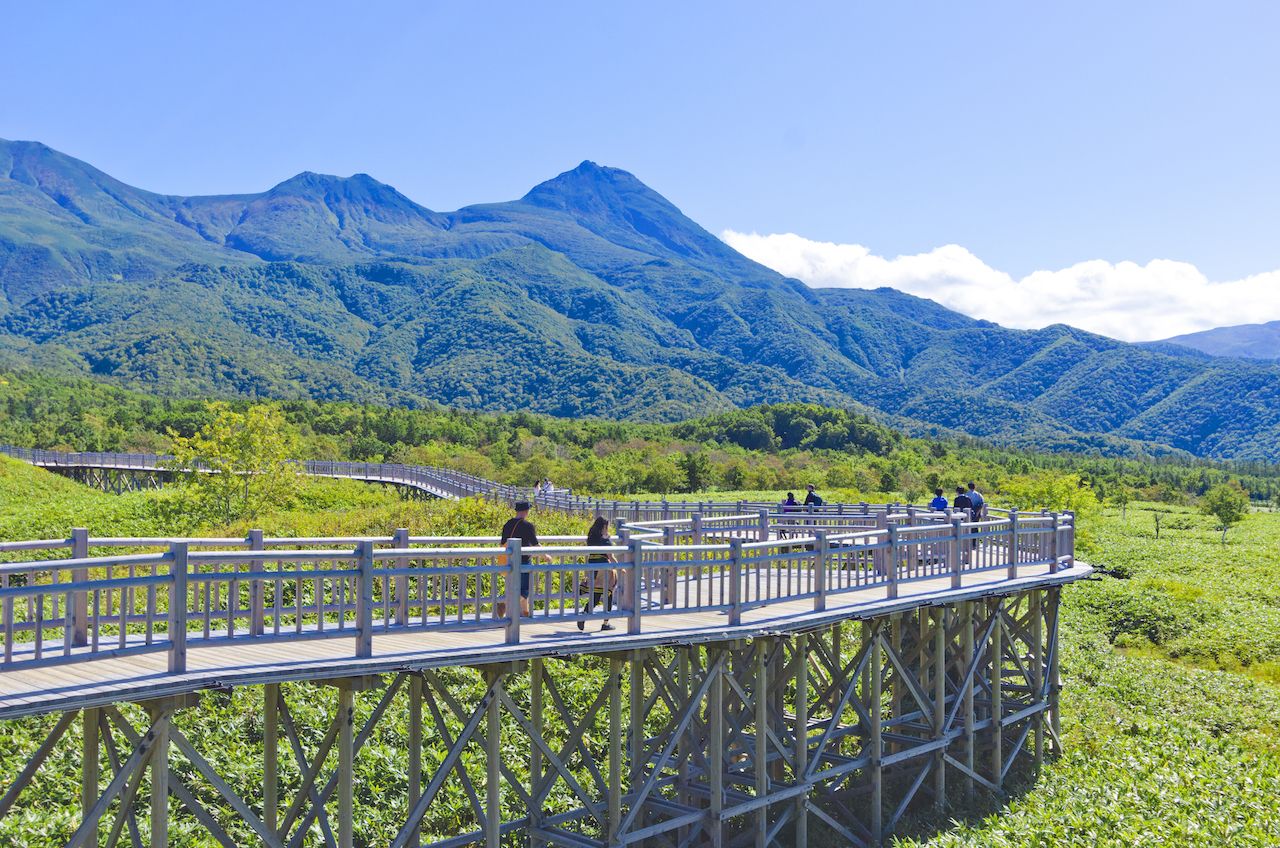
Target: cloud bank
<point>1124,300</point>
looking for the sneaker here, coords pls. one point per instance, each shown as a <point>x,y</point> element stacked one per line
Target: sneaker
<point>582,625</point>
<point>606,626</point>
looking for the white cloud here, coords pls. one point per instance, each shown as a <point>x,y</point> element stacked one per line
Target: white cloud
<point>1124,300</point>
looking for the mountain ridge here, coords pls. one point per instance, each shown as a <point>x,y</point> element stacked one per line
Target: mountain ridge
<point>1247,341</point>
<point>592,294</point>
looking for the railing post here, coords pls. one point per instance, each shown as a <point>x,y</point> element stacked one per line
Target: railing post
<point>513,591</point>
<point>257,611</point>
<point>1053,542</point>
<point>400,541</point>
<point>633,587</point>
<point>80,608</point>
<point>954,549</point>
<point>735,582</point>
<point>822,552</point>
<point>1013,544</point>
<point>364,599</point>
<point>178,608</point>
<point>764,525</point>
<point>696,527</point>
<point>892,530</point>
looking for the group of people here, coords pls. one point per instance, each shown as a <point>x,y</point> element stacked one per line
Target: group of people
<point>544,487</point>
<point>970,500</point>
<point>812,498</point>
<point>601,581</point>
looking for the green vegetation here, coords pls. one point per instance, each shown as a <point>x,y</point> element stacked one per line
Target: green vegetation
<point>1226,502</point>
<point>768,449</point>
<point>1171,665</point>
<point>247,456</point>
<point>592,295</point>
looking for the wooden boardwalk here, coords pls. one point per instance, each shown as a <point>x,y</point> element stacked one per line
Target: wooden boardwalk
<point>106,679</point>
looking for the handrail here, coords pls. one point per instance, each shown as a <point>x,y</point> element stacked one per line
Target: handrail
<point>57,610</point>
<point>446,482</point>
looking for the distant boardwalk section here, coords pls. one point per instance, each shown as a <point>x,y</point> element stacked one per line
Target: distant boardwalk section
<point>771,676</point>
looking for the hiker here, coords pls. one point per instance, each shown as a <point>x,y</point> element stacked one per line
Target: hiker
<point>789,504</point>
<point>813,498</point>
<point>521,528</point>
<point>939,502</point>
<point>601,583</point>
<point>962,502</point>
<point>977,502</point>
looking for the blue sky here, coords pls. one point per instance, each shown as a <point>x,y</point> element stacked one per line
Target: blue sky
<point>1032,136</point>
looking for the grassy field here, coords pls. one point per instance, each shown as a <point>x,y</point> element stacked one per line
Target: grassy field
<point>1171,711</point>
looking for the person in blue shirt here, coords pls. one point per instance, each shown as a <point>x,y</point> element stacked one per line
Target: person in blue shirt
<point>977,501</point>
<point>939,502</point>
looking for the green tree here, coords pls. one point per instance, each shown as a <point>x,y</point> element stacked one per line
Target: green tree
<point>1121,496</point>
<point>237,464</point>
<point>697,470</point>
<point>1226,502</point>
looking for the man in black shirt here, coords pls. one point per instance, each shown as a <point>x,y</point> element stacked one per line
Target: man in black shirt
<point>813,497</point>
<point>521,528</point>
<point>962,501</point>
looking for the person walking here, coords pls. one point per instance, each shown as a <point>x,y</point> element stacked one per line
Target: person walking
<point>962,502</point>
<point>813,498</point>
<point>520,527</point>
<point>601,581</point>
<point>939,502</point>
<point>977,502</point>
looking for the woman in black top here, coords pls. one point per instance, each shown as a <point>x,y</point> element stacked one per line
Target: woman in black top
<point>602,580</point>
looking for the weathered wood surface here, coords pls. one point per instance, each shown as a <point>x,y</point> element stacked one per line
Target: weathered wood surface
<point>106,679</point>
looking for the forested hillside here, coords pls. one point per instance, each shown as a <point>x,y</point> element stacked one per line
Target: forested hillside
<point>766,449</point>
<point>591,295</point>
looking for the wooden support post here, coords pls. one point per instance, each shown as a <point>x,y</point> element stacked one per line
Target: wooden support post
<point>939,705</point>
<point>346,764</point>
<point>1054,525</point>
<point>535,753</point>
<point>178,608</point>
<point>257,601</point>
<point>635,714</point>
<point>415,750</point>
<point>615,749</point>
<point>897,686</point>
<point>967,654</point>
<point>513,610</point>
<point>1055,676</point>
<point>821,562</point>
<point>695,525</point>
<point>715,748</point>
<point>158,765</point>
<point>800,755</point>
<point>955,552</point>
<point>761,698</point>
<point>1037,673</point>
<point>400,541</point>
<point>89,759</point>
<point>735,582</point>
<point>634,576</point>
<point>270,757</point>
<point>682,744</point>
<point>764,525</point>
<point>876,709</point>
<point>891,559</point>
<point>997,705</point>
<point>364,599</point>
<point>79,634</point>
<point>1013,544</point>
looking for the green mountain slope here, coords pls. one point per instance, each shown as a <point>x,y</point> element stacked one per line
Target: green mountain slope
<point>591,295</point>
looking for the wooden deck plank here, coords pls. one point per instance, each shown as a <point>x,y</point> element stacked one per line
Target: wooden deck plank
<point>25,691</point>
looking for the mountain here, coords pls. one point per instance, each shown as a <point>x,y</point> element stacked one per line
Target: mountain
<point>591,295</point>
<point>1248,341</point>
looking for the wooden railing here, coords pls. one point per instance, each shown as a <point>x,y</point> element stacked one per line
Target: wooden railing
<point>167,594</point>
<point>446,482</point>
